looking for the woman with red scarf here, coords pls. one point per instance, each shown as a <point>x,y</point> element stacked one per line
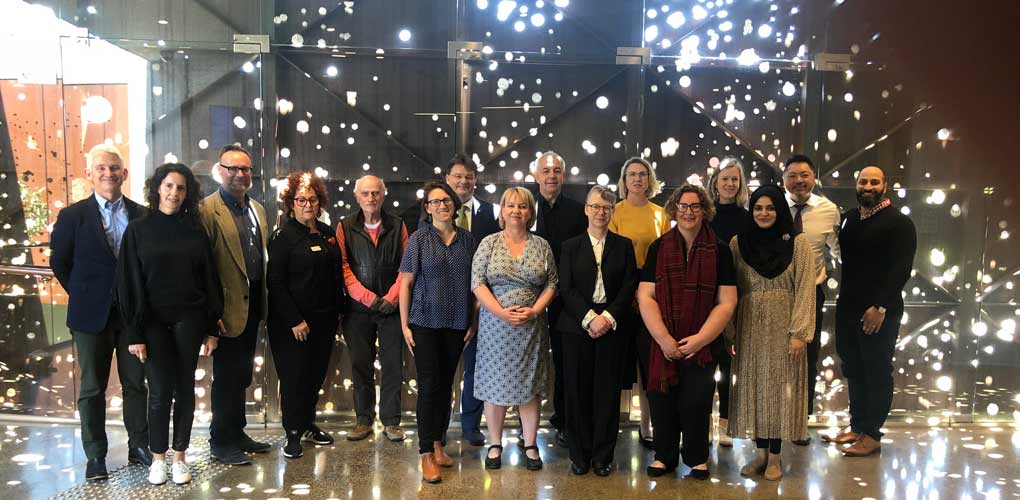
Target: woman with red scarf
<point>687,296</point>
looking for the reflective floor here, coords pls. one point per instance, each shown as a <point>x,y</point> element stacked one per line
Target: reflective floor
<point>962,462</point>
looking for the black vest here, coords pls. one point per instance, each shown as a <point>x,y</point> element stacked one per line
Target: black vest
<point>375,266</point>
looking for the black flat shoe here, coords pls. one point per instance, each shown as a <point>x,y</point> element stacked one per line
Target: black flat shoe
<point>645,441</point>
<point>578,469</point>
<point>494,463</point>
<point>700,474</point>
<point>95,469</point>
<point>561,439</point>
<point>802,442</point>
<point>533,463</point>
<point>659,471</point>
<point>602,470</point>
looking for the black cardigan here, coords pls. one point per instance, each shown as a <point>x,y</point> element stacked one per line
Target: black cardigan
<point>878,255</point>
<point>166,266</point>
<point>577,279</point>
<point>305,275</point>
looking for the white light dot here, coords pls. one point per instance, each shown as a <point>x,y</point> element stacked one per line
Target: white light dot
<point>685,81</point>
<point>764,31</point>
<point>602,180</point>
<point>831,135</point>
<point>943,134</point>
<point>519,26</point>
<point>331,71</point>
<point>651,33</point>
<point>239,122</point>
<point>602,102</point>
<point>537,20</point>
<point>944,383</point>
<point>938,196</point>
<point>848,97</point>
<point>203,144</point>
<point>789,89</point>
<point>937,257</point>
<point>404,35</point>
<point>297,40</point>
<point>302,126</point>
<point>248,67</point>
<point>285,152</point>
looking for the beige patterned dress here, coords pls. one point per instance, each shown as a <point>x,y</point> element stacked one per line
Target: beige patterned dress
<point>768,398</point>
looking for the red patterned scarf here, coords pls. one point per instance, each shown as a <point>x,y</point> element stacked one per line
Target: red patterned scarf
<point>685,289</point>
<point>867,213</point>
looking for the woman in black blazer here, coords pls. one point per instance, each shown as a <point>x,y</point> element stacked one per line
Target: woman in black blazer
<point>598,279</point>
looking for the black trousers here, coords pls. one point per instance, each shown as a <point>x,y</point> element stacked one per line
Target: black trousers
<point>592,369</point>
<point>470,407</point>
<point>813,347</point>
<point>685,410</point>
<point>361,330</point>
<point>233,362</point>
<point>95,353</point>
<point>775,446</point>
<point>172,345</point>
<point>723,385</point>
<point>436,353</point>
<point>301,367</point>
<point>558,418</point>
<point>867,362</point>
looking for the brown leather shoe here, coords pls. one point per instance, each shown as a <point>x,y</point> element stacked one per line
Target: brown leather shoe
<point>844,438</point>
<point>359,432</point>
<point>774,470</point>
<point>864,446</point>
<point>442,459</point>
<point>394,433</point>
<point>429,469</point>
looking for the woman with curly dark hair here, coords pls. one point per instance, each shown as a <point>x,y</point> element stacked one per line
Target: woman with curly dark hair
<point>170,297</point>
<point>305,282</point>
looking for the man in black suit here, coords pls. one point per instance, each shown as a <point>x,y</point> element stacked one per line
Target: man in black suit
<point>84,248</point>
<point>598,279</point>
<point>559,219</point>
<point>479,217</point>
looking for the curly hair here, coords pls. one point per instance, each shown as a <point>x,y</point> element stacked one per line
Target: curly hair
<point>194,192</point>
<point>297,180</point>
<point>707,207</point>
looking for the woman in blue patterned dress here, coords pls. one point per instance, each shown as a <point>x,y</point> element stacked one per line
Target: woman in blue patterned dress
<point>514,278</point>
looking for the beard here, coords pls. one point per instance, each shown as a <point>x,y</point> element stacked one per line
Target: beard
<point>869,199</point>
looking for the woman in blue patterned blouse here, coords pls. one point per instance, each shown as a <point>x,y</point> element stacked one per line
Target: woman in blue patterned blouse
<point>437,315</point>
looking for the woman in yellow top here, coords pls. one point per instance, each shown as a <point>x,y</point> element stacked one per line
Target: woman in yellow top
<point>637,218</point>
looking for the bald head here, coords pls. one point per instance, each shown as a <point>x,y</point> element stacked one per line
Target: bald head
<point>871,187</point>
<point>549,174</point>
<point>369,191</point>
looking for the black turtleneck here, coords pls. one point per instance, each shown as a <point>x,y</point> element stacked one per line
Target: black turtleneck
<point>165,267</point>
<point>730,220</point>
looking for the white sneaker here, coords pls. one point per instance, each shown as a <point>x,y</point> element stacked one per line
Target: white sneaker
<point>181,473</point>
<point>157,471</point>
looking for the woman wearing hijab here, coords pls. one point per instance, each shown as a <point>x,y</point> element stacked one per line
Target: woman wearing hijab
<point>774,323</point>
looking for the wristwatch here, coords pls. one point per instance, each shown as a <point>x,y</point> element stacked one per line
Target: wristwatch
<point>881,309</point>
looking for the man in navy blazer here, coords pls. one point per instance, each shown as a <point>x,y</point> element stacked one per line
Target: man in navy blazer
<point>84,247</point>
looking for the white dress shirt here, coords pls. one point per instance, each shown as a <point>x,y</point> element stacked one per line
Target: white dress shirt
<point>598,246</point>
<point>820,218</point>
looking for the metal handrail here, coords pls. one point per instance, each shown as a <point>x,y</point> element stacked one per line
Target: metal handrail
<point>26,270</point>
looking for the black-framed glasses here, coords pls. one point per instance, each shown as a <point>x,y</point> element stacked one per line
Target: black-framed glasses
<point>693,207</point>
<point>601,208</point>
<point>302,202</point>
<point>237,170</point>
<point>437,202</point>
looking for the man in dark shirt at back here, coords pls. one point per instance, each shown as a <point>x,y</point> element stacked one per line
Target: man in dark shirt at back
<point>559,219</point>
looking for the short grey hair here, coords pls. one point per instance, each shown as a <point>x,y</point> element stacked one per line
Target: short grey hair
<point>102,148</point>
<point>357,183</point>
<point>604,193</point>
<point>554,154</point>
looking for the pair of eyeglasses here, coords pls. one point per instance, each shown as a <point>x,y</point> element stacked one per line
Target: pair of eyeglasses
<point>639,175</point>
<point>601,208</point>
<point>693,207</point>
<point>237,170</point>
<point>303,202</point>
<point>437,203</point>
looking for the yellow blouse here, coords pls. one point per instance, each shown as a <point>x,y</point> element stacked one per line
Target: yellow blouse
<point>643,225</point>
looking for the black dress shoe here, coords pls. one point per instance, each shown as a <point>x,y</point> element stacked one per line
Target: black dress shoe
<point>645,441</point>
<point>532,463</point>
<point>602,469</point>
<point>561,438</point>
<point>95,469</point>
<point>316,435</point>
<point>140,456</point>
<point>249,445</point>
<point>475,437</point>
<point>229,456</point>
<point>700,474</point>
<point>494,463</point>
<point>578,469</point>
<point>659,471</point>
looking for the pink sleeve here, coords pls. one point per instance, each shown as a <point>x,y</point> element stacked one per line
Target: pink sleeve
<point>394,291</point>
<point>355,289</point>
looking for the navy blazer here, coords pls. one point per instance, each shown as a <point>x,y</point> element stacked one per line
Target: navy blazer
<point>577,274</point>
<point>84,263</point>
